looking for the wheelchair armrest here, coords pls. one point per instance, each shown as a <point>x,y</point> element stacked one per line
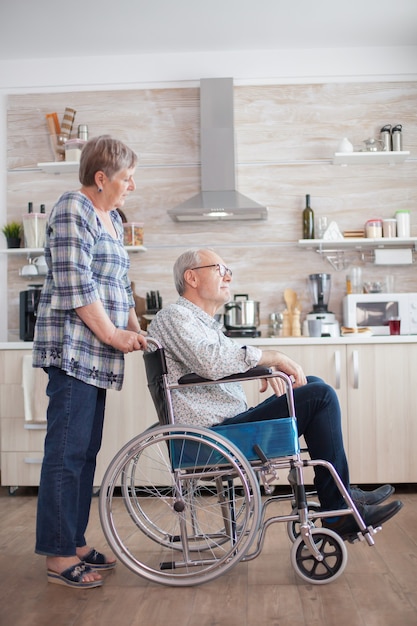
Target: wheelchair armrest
<point>254,372</point>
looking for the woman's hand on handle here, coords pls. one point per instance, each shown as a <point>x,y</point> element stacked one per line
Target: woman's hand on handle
<point>127,340</point>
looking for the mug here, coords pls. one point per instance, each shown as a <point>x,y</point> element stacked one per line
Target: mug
<point>40,263</point>
<point>29,270</point>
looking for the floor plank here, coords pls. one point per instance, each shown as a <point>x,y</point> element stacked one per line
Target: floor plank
<point>378,587</point>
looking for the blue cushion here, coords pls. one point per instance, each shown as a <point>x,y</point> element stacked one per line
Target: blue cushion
<point>276,438</point>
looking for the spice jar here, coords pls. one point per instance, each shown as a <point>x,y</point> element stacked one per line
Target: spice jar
<point>133,233</point>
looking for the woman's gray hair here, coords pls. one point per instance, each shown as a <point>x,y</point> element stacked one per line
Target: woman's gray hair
<point>104,154</point>
<point>186,261</point>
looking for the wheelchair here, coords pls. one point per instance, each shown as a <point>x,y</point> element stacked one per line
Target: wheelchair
<point>181,505</point>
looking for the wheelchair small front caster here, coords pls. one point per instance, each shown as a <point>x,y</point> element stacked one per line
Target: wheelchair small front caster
<point>332,550</point>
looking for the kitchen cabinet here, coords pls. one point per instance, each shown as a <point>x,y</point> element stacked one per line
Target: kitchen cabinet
<point>21,442</point>
<point>128,412</point>
<point>375,386</point>
<point>374,383</point>
<point>382,409</point>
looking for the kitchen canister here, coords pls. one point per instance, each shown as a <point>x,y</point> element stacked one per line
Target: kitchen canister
<point>397,138</point>
<point>133,233</point>
<point>389,227</point>
<point>34,225</point>
<point>386,137</point>
<point>373,228</point>
<point>403,223</point>
<point>73,148</point>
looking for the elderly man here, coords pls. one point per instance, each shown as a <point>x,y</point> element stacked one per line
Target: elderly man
<point>194,342</point>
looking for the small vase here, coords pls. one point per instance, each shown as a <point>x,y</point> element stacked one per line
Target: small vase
<point>345,145</point>
<point>13,242</point>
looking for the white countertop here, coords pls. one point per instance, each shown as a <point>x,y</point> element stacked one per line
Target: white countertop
<point>311,341</point>
<point>278,341</point>
<point>16,345</point>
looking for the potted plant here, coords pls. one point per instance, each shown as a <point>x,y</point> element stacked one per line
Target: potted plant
<point>12,232</point>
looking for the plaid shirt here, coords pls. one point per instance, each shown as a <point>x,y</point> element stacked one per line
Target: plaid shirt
<point>85,264</point>
<point>194,342</point>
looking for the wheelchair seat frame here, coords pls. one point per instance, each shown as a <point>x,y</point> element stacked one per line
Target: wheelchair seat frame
<point>181,505</point>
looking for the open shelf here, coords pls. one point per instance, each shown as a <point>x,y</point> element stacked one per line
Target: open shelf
<point>59,167</point>
<point>356,158</point>
<point>30,251</point>
<point>358,243</point>
<point>339,253</point>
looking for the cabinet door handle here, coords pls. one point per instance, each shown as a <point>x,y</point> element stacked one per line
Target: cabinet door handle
<point>355,359</point>
<point>337,365</point>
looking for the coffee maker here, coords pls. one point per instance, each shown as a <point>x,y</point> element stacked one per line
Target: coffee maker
<point>29,301</point>
<point>319,287</point>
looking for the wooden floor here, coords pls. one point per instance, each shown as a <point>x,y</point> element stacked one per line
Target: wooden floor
<point>378,587</point>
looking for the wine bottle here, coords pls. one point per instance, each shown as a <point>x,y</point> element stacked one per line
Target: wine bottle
<point>308,220</point>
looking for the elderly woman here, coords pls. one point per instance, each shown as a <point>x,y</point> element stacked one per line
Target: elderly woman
<point>86,321</point>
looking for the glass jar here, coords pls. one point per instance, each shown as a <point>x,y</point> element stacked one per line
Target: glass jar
<point>133,233</point>
<point>34,225</point>
<point>373,228</point>
<point>73,149</point>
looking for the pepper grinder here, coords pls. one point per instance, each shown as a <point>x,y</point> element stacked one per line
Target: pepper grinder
<point>286,324</point>
<point>296,326</point>
<point>83,132</point>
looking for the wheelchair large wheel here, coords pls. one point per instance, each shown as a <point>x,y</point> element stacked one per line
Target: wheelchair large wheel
<point>331,548</point>
<point>155,526</point>
<point>180,505</point>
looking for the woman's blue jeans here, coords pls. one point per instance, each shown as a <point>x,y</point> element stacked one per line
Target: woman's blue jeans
<point>318,417</point>
<point>74,431</point>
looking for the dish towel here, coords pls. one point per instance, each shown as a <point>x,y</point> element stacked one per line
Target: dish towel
<point>34,381</point>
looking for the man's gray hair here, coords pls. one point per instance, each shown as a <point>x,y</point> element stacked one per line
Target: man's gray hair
<point>187,260</point>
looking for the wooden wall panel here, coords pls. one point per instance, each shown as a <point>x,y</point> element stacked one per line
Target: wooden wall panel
<point>285,138</point>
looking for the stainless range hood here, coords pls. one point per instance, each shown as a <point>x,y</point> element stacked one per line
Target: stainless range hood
<point>218,199</point>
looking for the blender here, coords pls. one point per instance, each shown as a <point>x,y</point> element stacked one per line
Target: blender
<point>319,287</point>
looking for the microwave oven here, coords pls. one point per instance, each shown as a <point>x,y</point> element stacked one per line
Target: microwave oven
<point>373,310</point>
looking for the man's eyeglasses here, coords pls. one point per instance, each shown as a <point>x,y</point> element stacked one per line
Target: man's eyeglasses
<point>222,269</point>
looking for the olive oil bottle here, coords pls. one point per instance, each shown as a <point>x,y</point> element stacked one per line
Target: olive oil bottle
<point>308,220</point>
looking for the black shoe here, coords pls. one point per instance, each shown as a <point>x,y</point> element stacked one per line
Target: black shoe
<point>371,497</point>
<point>372,515</point>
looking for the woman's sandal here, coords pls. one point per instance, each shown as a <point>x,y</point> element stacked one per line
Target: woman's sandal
<point>73,577</point>
<point>97,560</point>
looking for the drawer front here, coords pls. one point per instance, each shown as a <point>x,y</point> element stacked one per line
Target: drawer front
<point>19,436</point>
<point>20,469</point>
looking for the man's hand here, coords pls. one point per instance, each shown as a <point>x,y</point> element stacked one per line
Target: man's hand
<point>283,363</point>
<point>277,385</point>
